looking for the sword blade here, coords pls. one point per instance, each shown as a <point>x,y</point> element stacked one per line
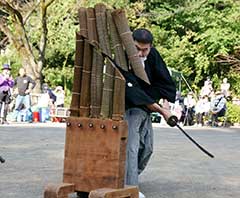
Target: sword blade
<point>193,141</point>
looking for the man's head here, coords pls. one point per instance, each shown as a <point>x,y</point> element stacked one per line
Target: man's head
<point>22,71</point>
<point>6,68</point>
<point>143,40</point>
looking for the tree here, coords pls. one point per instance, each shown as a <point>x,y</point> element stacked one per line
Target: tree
<point>15,27</point>
<point>192,34</point>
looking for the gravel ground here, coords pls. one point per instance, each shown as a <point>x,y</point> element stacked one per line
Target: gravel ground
<point>34,158</point>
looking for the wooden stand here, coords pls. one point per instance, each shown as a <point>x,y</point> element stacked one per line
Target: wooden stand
<point>94,161</point>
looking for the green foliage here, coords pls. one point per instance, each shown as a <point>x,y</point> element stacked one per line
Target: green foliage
<point>189,34</point>
<point>11,57</point>
<point>233,113</point>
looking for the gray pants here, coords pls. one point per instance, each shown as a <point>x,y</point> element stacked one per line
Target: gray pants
<point>139,145</point>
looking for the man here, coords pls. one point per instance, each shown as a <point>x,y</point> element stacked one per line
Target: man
<point>6,83</point>
<point>23,83</point>
<point>141,100</point>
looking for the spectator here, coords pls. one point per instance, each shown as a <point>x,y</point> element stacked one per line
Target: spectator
<point>218,107</point>
<point>60,95</point>
<point>201,110</point>
<point>25,84</point>
<point>189,105</point>
<point>6,83</point>
<point>48,90</point>
<point>225,88</point>
<point>207,88</point>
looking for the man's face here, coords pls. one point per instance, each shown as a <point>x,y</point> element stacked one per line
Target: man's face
<point>21,72</point>
<point>143,49</point>
<point>6,72</point>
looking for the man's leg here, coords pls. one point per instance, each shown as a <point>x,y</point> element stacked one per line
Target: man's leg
<point>18,102</point>
<point>146,144</point>
<point>26,101</point>
<point>134,118</point>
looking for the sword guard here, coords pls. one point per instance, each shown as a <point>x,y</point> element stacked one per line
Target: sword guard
<point>172,121</point>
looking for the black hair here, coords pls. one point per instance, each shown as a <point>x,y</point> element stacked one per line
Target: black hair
<point>142,35</point>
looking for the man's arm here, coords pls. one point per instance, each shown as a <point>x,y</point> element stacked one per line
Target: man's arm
<point>162,85</point>
<point>33,83</point>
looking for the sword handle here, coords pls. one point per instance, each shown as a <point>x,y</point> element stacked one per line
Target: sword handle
<point>171,119</point>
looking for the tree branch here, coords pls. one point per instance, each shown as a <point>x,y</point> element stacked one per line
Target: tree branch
<point>30,13</point>
<point>49,3</point>
<point>12,10</point>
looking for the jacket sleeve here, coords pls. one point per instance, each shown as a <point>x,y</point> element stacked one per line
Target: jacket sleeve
<point>162,85</point>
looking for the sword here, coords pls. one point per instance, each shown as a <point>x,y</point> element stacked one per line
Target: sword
<point>172,121</point>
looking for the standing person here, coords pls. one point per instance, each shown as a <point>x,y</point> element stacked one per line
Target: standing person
<point>202,109</point>
<point>6,83</point>
<point>225,88</point>
<point>140,102</point>
<point>60,95</point>
<point>25,84</point>
<point>207,88</point>
<point>189,108</point>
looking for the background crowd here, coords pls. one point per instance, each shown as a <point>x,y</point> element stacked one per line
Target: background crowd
<point>16,98</point>
<point>205,108</point>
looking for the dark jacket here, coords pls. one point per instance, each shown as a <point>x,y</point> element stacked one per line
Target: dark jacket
<point>139,94</point>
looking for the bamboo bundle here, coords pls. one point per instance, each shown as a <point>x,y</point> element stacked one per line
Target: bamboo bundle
<point>78,65</point>
<point>104,43</point>
<point>120,58</point>
<point>128,42</point>
<point>99,91</point>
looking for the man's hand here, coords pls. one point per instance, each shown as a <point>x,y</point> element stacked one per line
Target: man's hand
<point>157,108</point>
<point>154,107</point>
<point>28,91</point>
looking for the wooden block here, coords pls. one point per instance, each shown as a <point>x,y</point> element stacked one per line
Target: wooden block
<point>58,191</point>
<point>128,192</point>
<point>95,152</point>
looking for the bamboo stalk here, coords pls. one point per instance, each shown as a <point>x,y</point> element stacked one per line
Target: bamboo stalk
<point>104,43</point>
<point>91,25</point>
<point>86,80</point>
<point>128,42</point>
<point>96,84</point>
<point>82,13</point>
<point>120,58</point>
<point>77,75</point>
<point>119,54</point>
<point>97,67</point>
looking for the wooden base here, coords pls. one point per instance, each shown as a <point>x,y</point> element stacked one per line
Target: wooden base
<point>127,192</point>
<point>94,161</point>
<point>58,191</point>
<point>62,191</point>
<point>95,152</point>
